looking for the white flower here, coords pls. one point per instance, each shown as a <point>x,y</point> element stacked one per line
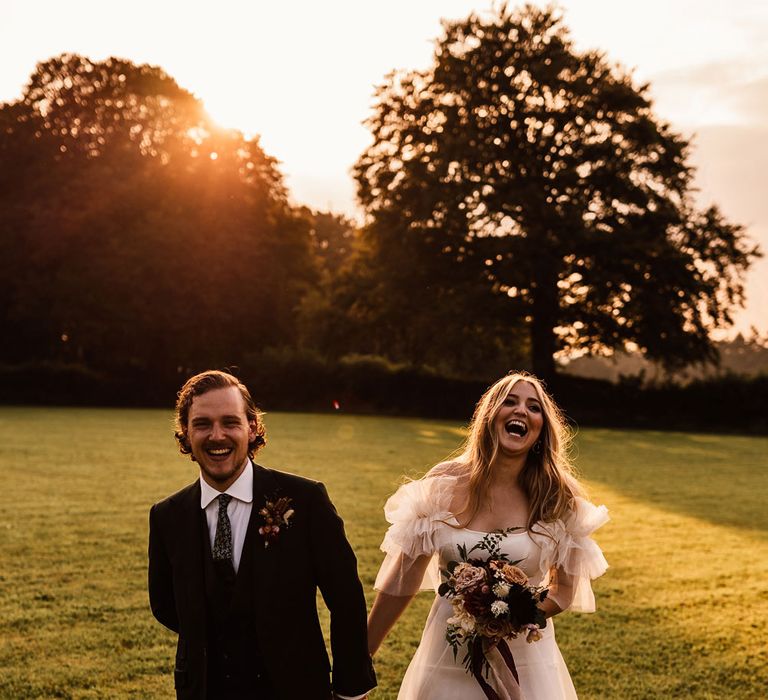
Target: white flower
<point>501,590</point>
<point>458,632</point>
<point>468,624</point>
<point>463,620</point>
<point>499,608</point>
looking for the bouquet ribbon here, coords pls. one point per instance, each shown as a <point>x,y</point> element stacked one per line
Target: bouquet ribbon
<point>502,671</point>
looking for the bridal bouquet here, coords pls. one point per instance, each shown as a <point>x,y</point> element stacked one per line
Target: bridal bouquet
<point>492,600</point>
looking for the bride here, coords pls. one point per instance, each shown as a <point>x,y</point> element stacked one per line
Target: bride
<point>513,472</point>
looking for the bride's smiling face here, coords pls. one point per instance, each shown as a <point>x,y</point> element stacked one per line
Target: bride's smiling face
<point>519,422</point>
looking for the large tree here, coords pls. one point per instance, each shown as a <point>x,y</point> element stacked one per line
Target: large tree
<point>376,302</point>
<point>541,174</point>
<point>137,232</point>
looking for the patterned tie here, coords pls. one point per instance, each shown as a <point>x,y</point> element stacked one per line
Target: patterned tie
<point>222,542</point>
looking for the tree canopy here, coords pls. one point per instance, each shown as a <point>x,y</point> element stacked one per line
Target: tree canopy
<point>539,174</point>
<point>387,301</point>
<point>138,233</point>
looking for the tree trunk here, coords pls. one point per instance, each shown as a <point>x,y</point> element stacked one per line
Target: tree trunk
<point>544,312</point>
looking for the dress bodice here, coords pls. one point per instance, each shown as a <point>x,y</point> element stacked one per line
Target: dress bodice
<point>517,545</point>
<point>422,527</point>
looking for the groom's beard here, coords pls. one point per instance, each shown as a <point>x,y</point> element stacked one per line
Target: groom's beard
<point>221,471</point>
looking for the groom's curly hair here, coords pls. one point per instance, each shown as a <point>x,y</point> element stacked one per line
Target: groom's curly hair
<point>203,383</point>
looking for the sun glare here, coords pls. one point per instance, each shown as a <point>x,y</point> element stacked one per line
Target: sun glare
<point>226,112</point>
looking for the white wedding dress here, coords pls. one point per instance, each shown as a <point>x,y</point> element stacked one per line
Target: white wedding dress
<point>560,555</point>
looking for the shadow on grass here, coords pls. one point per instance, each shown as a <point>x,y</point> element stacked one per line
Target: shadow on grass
<point>650,656</point>
<point>720,479</point>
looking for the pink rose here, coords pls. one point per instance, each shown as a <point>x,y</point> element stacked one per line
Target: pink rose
<point>466,577</point>
<point>493,629</point>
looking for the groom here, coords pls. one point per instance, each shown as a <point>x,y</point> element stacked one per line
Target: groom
<point>235,561</point>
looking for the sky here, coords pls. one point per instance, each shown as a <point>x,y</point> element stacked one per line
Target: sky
<point>301,76</point>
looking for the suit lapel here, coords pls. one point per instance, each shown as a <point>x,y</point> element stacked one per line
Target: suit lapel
<point>264,489</point>
<point>257,561</point>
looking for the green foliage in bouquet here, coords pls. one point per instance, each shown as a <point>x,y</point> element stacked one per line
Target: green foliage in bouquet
<point>492,600</point>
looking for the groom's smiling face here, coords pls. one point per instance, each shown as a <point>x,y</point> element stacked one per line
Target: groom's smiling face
<point>218,433</point>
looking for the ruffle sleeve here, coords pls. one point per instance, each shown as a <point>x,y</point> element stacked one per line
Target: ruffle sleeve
<point>415,512</point>
<point>568,548</point>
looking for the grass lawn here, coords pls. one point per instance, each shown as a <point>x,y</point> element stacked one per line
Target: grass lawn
<point>682,612</point>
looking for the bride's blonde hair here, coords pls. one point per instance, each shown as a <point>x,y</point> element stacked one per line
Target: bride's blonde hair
<point>548,477</point>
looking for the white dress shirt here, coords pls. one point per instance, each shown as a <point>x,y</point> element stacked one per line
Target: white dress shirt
<point>238,509</point>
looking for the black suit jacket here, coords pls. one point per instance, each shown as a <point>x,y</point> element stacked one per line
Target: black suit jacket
<point>312,553</point>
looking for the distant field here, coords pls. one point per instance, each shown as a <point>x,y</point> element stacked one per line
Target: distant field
<point>682,612</point>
